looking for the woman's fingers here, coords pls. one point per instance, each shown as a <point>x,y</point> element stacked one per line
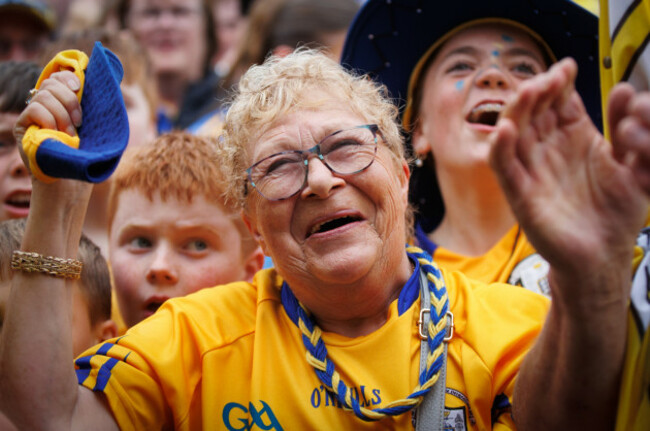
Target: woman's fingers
<point>64,86</point>
<point>55,106</point>
<point>617,107</point>
<point>536,107</point>
<point>505,161</point>
<point>630,127</point>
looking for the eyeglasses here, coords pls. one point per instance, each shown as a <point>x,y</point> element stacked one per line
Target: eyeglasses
<point>346,152</point>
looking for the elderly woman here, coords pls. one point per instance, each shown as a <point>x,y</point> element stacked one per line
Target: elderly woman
<point>317,165</point>
<point>455,65</point>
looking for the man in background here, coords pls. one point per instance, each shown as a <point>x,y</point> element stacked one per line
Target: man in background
<point>25,27</point>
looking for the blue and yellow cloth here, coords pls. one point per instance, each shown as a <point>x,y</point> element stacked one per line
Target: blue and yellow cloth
<point>94,154</point>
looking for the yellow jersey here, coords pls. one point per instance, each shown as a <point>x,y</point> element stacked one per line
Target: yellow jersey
<point>511,260</point>
<point>231,358</point>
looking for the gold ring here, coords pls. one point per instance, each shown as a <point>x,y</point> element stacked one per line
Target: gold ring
<point>32,93</point>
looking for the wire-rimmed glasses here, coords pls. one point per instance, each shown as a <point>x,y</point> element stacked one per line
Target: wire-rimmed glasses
<point>345,152</point>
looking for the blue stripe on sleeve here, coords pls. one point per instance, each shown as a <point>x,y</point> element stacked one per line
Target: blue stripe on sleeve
<point>104,374</point>
<point>82,375</point>
<point>104,348</point>
<point>83,362</point>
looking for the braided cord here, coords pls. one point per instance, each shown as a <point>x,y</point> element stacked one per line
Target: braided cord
<point>436,330</point>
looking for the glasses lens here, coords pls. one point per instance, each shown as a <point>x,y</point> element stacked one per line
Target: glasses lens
<point>346,152</point>
<point>350,151</point>
<point>279,176</point>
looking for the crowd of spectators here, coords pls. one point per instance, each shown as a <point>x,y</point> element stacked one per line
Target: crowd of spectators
<point>183,62</point>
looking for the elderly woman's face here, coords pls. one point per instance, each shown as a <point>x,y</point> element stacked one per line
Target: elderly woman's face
<point>338,226</point>
<point>465,88</point>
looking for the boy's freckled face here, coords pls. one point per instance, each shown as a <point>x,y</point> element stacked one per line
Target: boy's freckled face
<point>164,249</point>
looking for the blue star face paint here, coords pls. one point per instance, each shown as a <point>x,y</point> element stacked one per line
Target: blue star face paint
<point>495,53</point>
<point>460,84</point>
<point>507,38</point>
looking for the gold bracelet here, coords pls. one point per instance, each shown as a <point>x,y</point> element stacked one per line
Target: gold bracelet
<point>54,266</point>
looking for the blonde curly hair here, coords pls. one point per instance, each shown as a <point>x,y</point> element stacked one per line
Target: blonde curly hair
<point>269,91</point>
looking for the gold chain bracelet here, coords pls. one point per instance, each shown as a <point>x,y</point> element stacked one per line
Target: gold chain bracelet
<point>54,266</point>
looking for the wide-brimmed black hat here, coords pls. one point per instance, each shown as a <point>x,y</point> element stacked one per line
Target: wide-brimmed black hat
<point>389,37</point>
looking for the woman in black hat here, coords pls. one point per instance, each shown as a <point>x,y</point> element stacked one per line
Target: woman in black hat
<point>452,66</point>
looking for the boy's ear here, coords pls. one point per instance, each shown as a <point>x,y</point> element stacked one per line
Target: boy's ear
<point>105,330</point>
<point>252,228</point>
<point>253,263</point>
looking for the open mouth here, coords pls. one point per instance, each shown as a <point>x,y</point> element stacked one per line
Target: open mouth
<point>19,200</point>
<point>153,306</point>
<point>486,113</point>
<point>333,224</point>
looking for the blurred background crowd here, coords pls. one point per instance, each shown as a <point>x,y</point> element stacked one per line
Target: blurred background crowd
<point>185,53</point>
<point>181,58</point>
